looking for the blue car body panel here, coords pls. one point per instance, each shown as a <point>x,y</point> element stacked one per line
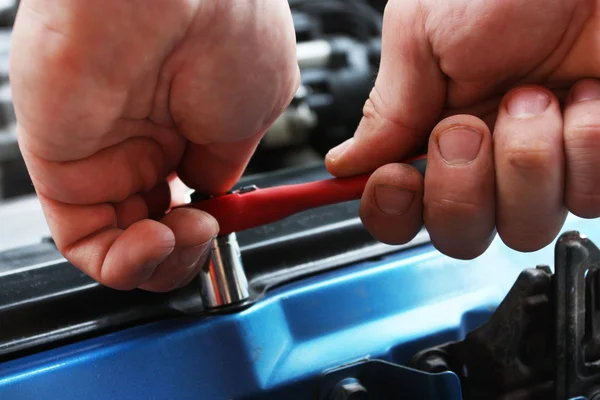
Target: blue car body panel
<point>386,309</point>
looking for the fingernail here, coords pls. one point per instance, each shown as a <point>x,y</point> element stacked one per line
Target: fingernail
<point>460,145</point>
<point>392,200</point>
<point>589,90</point>
<point>527,102</point>
<point>337,152</point>
<point>189,256</point>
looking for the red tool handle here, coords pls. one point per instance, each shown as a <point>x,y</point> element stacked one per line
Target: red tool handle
<point>248,209</point>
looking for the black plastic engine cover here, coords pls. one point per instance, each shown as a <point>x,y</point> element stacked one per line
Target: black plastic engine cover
<point>46,302</point>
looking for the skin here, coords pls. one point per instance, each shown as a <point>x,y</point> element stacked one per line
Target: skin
<point>114,98</point>
<point>509,88</point>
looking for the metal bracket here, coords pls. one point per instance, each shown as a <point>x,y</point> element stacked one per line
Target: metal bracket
<point>382,380</point>
<point>577,308</point>
<point>543,341</point>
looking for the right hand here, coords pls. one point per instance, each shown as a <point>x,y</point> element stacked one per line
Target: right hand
<point>452,72</point>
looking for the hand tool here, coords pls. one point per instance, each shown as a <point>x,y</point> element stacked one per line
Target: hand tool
<point>250,206</point>
<point>223,281</point>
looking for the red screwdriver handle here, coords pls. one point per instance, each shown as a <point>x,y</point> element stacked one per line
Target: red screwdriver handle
<point>249,208</point>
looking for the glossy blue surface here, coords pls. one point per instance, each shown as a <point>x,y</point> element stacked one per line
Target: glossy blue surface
<point>386,309</point>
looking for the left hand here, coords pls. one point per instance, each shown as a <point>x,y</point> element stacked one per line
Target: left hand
<point>114,97</point>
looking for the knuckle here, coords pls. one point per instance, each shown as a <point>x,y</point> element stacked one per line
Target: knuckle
<point>584,135</point>
<point>454,209</point>
<point>583,175</point>
<point>149,170</point>
<point>373,103</point>
<point>377,109</point>
<point>530,159</point>
<point>583,114</point>
<point>372,108</point>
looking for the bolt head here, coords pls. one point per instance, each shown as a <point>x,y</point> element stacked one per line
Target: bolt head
<point>349,389</point>
<point>434,363</point>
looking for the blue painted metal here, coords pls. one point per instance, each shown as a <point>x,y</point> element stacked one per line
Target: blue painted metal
<point>392,381</point>
<point>385,309</point>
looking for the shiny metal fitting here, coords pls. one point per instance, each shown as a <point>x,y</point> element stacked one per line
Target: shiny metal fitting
<point>223,280</point>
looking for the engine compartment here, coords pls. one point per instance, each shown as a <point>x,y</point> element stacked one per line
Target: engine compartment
<point>333,314</point>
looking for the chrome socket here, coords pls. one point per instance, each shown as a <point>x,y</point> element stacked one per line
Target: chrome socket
<point>223,279</point>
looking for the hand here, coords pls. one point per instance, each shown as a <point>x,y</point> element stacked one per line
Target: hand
<point>451,73</point>
<point>114,96</point>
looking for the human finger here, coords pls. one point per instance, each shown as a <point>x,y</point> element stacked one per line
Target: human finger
<point>135,165</point>
<point>392,203</point>
<point>90,238</point>
<point>582,149</point>
<point>405,102</point>
<point>194,231</point>
<point>152,204</point>
<point>460,187</point>
<point>529,162</point>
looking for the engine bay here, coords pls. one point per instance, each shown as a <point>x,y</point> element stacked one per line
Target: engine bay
<point>331,313</point>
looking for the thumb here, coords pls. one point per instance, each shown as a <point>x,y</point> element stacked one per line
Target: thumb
<point>406,101</point>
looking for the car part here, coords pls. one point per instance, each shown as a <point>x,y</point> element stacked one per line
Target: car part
<point>325,297</point>
<point>338,51</point>
<point>250,207</point>
<point>223,281</point>
<point>381,380</point>
<point>542,341</point>
<point>46,302</point>
<point>303,340</point>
